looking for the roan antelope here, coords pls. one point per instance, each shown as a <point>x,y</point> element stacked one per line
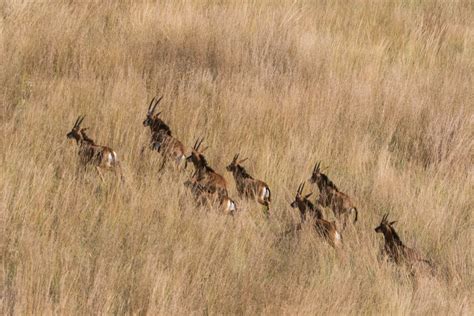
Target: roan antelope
<point>101,157</point>
<point>208,178</point>
<point>396,251</point>
<point>330,196</point>
<point>161,137</point>
<point>247,186</point>
<point>324,228</point>
<point>204,197</point>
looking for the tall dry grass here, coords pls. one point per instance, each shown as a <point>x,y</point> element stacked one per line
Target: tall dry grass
<point>380,91</point>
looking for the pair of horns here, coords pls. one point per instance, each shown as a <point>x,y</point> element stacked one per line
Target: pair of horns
<point>237,157</point>
<point>385,220</point>
<point>152,107</point>
<point>317,167</point>
<point>79,121</point>
<point>300,190</point>
<point>198,143</point>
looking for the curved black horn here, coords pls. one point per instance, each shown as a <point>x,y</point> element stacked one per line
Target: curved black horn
<point>199,145</point>
<point>77,120</point>
<point>151,103</point>
<point>195,143</point>
<point>80,120</point>
<point>156,103</point>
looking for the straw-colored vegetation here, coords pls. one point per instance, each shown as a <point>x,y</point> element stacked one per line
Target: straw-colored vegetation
<point>380,91</point>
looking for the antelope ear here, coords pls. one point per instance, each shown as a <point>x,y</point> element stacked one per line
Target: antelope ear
<point>204,149</point>
<point>391,223</point>
<point>308,195</point>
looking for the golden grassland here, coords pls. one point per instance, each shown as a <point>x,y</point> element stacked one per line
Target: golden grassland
<point>380,91</point>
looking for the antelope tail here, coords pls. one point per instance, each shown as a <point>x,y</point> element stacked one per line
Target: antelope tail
<point>268,194</point>
<point>356,213</point>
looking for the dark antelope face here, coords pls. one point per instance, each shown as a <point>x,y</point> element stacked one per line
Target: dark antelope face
<point>300,201</point>
<point>74,133</point>
<point>232,167</point>
<point>196,157</point>
<point>384,226</point>
<point>150,117</point>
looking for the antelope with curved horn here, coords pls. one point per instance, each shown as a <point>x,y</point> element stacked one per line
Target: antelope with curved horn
<point>161,138</point>
<point>326,229</point>
<point>152,120</point>
<point>208,178</point>
<point>102,157</point>
<point>247,186</point>
<point>305,206</point>
<point>330,196</point>
<point>396,251</point>
<point>204,197</point>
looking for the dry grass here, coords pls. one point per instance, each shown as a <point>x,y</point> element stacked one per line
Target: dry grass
<point>381,92</point>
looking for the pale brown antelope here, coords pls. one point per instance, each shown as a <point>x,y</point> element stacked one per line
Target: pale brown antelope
<point>208,178</point>
<point>396,251</point>
<point>326,229</point>
<point>247,186</point>
<point>330,196</point>
<point>102,157</point>
<point>204,197</point>
<point>161,137</point>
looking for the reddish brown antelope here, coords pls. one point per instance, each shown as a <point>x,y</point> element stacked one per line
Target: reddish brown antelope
<point>324,228</point>
<point>330,196</point>
<point>247,186</point>
<point>101,157</point>
<point>396,251</point>
<point>204,197</point>
<point>208,178</point>
<point>161,138</point>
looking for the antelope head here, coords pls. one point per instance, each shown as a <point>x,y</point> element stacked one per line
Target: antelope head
<point>75,132</point>
<point>196,157</point>
<point>316,175</point>
<point>233,166</point>
<point>151,118</point>
<point>301,201</point>
<point>385,227</point>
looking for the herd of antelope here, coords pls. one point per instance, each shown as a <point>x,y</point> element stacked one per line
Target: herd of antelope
<point>209,188</point>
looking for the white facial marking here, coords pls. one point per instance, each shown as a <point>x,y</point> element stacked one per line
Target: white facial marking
<point>338,236</point>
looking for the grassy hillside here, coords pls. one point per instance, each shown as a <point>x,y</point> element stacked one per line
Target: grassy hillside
<point>380,91</point>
